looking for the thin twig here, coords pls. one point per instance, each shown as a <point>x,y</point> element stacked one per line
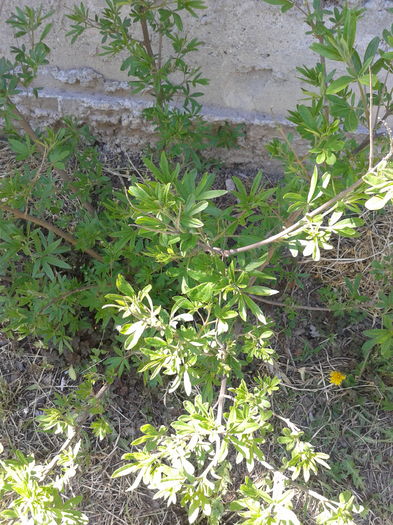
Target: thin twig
<point>294,227</point>
<point>221,400</point>
<point>366,141</point>
<point>220,410</point>
<point>36,178</point>
<point>348,260</point>
<point>294,306</point>
<point>298,485</point>
<point>65,295</point>
<point>298,161</point>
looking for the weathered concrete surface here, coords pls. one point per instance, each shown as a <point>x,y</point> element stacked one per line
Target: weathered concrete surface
<point>250,54</point>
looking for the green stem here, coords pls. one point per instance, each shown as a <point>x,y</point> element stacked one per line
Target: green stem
<point>364,101</point>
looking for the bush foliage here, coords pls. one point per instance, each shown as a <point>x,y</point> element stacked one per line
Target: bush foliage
<point>190,262</point>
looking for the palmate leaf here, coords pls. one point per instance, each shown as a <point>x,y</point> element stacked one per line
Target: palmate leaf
<point>55,261</point>
<point>22,149</point>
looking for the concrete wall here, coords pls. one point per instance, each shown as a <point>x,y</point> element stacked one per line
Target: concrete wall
<point>250,54</point>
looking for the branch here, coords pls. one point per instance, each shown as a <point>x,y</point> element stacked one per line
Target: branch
<point>370,123</point>
<point>65,295</point>
<point>299,225</point>
<point>294,306</point>
<point>296,226</point>
<point>221,400</point>
<point>366,141</point>
<point>299,486</point>
<point>146,40</point>
<point>51,227</point>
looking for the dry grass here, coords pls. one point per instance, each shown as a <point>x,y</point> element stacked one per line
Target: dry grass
<point>352,257</point>
<point>346,422</point>
<point>29,383</point>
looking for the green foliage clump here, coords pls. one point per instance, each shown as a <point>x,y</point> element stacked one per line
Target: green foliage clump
<point>37,499</point>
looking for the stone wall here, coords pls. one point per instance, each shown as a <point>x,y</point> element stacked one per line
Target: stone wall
<point>250,54</point>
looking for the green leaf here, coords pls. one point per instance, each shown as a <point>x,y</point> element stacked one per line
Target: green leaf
<point>278,2</point>
<point>46,30</point>
<point>21,148</point>
<point>124,287</point>
<point>187,383</point>
<point>254,309</point>
<point>326,51</point>
<point>377,203</point>
<point>58,155</point>
<point>150,222</point>
<point>351,121</point>
<point>349,32</point>
<point>193,511</point>
<point>124,470</point>
<point>371,50</point>
<point>285,4</point>
<point>55,261</point>
<point>191,222</point>
<point>260,290</point>
<point>203,292</point>
<point>339,84</point>
<point>353,222</point>
<point>212,194</point>
<point>321,157</point>
<point>313,184</point>
<point>365,79</point>
<point>197,208</point>
<point>368,345</point>
<point>136,331</point>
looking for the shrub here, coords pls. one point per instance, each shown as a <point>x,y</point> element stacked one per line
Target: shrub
<point>191,268</point>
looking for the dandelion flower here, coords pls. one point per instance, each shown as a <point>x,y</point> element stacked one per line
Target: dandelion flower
<point>336,378</point>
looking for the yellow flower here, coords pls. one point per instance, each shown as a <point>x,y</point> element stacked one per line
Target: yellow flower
<point>336,378</point>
